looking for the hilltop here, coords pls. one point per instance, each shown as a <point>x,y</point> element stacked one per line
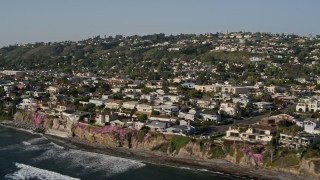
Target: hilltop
<point>208,58</point>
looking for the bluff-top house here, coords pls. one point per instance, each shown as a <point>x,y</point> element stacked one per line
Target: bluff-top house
<point>103,117</point>
<point>157,125</point>
<point>302,139</point>
<point>63,107</point>
<point>250,133</point>
<point>26,103</point>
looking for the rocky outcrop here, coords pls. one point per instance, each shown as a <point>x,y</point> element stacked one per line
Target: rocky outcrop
<point>55,126</point>
<point>25,119</point>
<point>193,149</point>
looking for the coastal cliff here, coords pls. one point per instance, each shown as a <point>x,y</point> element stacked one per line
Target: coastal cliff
<point>171,145</point>
<point>188,148</point>
<point>178,146</point>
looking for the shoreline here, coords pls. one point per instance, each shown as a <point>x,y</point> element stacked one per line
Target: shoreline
<point>216,166</point>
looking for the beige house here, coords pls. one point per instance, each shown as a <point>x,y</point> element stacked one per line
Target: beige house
<point>208,88</point>
<point>228,108</point>
<point>53,90</point>
<point>234,90</point>
<point>302,139</point>
<point>144,108</point>
<point>129,104</point>
<point>112,104</point>
<point>138,125</point>
<point>308,104</point>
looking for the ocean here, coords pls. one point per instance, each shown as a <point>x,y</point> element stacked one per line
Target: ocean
<point>28,156</point>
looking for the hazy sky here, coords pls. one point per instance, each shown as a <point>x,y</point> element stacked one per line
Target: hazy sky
<point>24,21</point>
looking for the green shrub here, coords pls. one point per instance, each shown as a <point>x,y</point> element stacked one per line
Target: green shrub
<point>217,152</point>
<point>230,150</point>
<point>201,144</point>
<point>289,160</point>
<point>239,156</point>
<point>312,152</point>
<point>161,147</point>
<point>141,133</point>
<point>178,142</point>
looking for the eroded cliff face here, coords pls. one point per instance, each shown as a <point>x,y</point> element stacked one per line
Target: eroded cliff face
<point>156,142</point>
<point>193,149</point>
<point>310,167</point>
<point>26,120</point>
<point>112,139</point>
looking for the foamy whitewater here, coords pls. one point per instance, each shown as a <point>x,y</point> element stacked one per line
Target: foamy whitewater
<point>29,172</point>
<point>25,156</point>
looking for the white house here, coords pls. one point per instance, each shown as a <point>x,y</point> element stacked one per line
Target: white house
<point>97,102</point>
<point>187,116</point>
<point>311,125</point>
<point>12,73</point>
<point>63,107</point>
<point>157,125</point>
<point>149,97</point>
<point>138,125</point>
<point>250,133</point>
<point>228,108</point>
<point>103,117</point>
<point>210,115</point>
<point>263,105</point>
<point>167,109</point>
<point>26,103</point>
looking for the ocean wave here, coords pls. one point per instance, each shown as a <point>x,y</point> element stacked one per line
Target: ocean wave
<point>30,172</point>
<point>38,141</point>
<point>89,162</point>
<point>20,129</point>
<point>56,145</point>
<point>26,143</point>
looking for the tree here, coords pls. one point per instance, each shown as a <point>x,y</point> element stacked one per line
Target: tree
<point>266,96</point>
<point>2,92</point>
<point>142,117</point>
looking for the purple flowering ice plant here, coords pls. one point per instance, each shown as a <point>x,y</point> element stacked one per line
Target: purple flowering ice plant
<point>38,118</point>
<point>147,136</point>
<point>250,151</point>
